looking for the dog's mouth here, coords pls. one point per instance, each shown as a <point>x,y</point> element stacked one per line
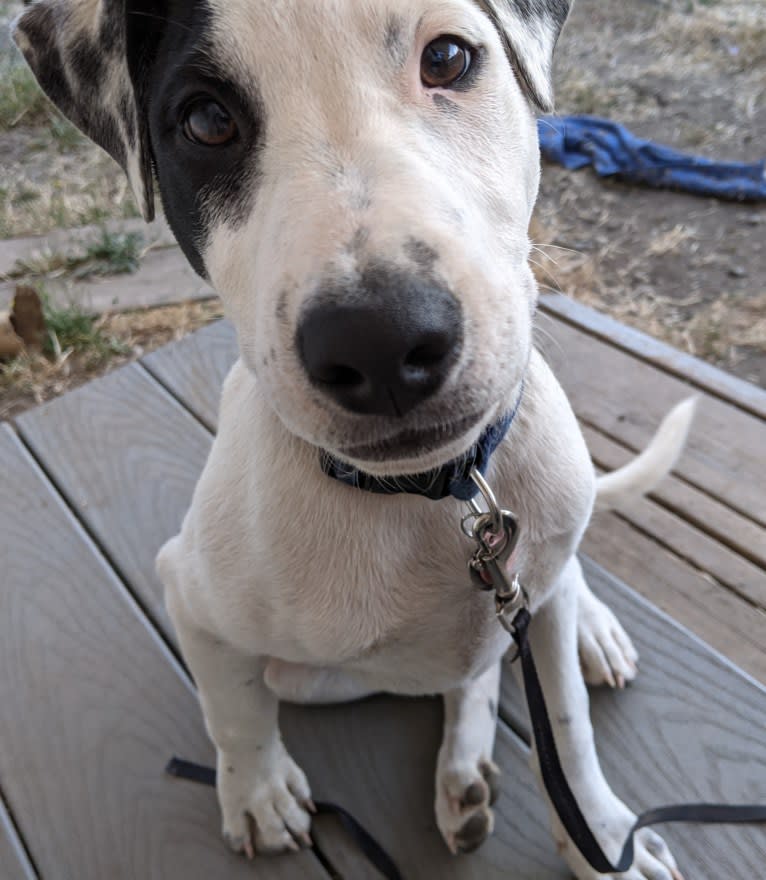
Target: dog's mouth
<point>413,444</point>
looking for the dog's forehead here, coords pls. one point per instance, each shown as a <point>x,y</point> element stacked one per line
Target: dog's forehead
<point>297,39</point>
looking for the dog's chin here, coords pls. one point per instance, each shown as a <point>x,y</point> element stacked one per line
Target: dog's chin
<point>416,451</point>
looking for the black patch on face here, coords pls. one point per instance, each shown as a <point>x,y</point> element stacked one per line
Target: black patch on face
<point>421,254</point>
<point>446,104</point>
<point>200,185</point>
<point>395,40</point>
<point>360,239</point>
<point>281,310</point>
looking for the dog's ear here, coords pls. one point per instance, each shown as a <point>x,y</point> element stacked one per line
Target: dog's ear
<point>529,29</point>
<point>78,51</point>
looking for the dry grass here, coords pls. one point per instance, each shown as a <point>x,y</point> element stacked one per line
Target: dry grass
<point>716,330</point>
<point>109,341</point>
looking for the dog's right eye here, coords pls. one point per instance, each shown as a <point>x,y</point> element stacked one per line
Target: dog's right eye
<point>206,122</point>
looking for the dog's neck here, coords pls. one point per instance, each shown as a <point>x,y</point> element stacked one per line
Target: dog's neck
<point>452,479</point>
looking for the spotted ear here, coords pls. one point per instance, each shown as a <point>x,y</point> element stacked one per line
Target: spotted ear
<point>77,49</point>
<point>530,29</point>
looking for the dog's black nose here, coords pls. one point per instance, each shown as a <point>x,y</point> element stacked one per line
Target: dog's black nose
<point>382,346</point>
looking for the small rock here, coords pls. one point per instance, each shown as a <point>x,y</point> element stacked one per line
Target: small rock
<point>737,272</point>
<point>11,345</point>
<point>27,317</point>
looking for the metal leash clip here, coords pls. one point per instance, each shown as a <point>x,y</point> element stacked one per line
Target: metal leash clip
<point>496,532</point>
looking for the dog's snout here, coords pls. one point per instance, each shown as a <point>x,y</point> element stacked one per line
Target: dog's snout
<point>382,346</point>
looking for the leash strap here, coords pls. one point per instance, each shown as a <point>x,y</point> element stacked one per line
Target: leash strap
<point>374,852</point>
<point>561,794</point>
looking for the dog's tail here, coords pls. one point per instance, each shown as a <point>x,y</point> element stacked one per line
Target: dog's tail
<point>646,470</point>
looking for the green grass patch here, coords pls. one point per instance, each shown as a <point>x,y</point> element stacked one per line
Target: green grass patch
<point>112,253</point>
<point>72,329</point>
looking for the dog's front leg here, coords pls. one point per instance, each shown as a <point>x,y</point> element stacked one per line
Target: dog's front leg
<point>553,639</point>
<point>264,795</point>
<point>466,778</point>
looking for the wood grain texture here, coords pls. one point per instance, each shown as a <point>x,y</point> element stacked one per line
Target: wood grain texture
<point>126,456</point>
<point>14,863</point>
<point>627,399</point>
<point>193,369</point>
<point>705,376</point>
<point>729,624</point>
<point>91,706</point>
<point>724,525</point>
<point>691,728</point>
<point>377,758</point>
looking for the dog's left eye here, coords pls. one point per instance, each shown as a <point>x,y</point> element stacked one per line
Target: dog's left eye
<point>207,122</point>
<point>445,61</point>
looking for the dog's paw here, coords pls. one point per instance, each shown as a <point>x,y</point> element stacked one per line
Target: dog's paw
<point>653,860</point>
<point>265,801</point>
<point>464,796</point>
<point>607,655</point>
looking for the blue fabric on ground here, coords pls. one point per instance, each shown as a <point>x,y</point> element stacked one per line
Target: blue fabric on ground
<point>576,141</point>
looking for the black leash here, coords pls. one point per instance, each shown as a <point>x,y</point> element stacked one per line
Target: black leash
<point>374,852</point>
<point>561,794</point>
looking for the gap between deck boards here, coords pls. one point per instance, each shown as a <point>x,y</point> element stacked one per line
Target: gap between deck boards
<point>16,862</point>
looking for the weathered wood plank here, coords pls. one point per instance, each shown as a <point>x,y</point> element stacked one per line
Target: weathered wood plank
<point>627,399</point>
<point>720,522</point>
<point>14,863</point>
<point>690,728</point>
<point>377,758</point>
<point>726,622</point>
<point>91,705</point>
<point>129,516</point>
<point>124,453</point>
<point>705,376</point>
<point>193,369</point>
<point>693,545</point>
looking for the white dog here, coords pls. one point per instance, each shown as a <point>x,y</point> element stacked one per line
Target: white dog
<point>356,179</point>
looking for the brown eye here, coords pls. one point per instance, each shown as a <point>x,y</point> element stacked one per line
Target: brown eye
<point>444,62</point>
<point>207,122</point>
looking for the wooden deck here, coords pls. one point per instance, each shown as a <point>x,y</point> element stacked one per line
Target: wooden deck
<point>94,699</point>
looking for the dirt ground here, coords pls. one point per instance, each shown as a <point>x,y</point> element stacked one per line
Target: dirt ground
<point>689,270</point>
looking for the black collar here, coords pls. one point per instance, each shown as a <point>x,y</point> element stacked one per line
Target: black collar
<point>452,478</point>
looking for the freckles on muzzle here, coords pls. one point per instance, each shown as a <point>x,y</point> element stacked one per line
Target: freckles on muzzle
<point>382,344</point>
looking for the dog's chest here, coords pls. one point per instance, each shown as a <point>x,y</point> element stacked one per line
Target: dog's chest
<point>388,593</point>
